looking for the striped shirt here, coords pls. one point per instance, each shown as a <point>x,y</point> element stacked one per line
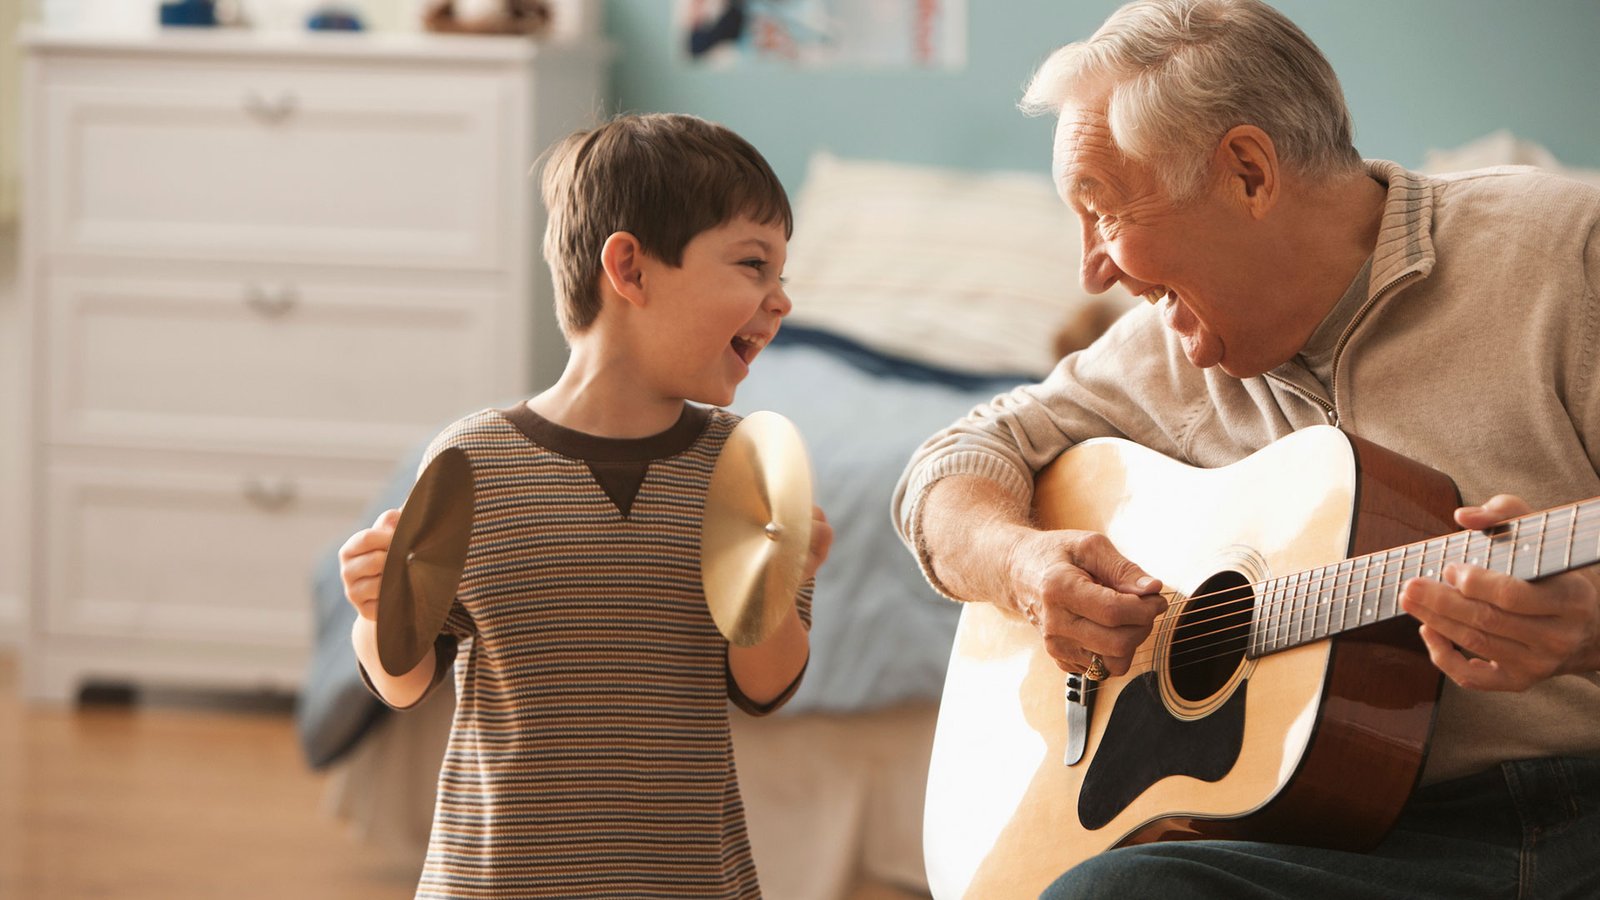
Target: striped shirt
<point>590,753</point>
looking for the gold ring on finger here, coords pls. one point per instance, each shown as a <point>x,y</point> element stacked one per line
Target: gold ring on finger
<point>1097,668</point>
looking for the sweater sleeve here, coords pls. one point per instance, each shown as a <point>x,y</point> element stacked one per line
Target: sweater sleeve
<point>1131,383</point>
<point>1585,398</point>
<point>444,663</point>
<point>742,700</point>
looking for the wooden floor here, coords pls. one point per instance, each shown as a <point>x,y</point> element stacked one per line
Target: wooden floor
<point>203,798</point>
<point>170,802</point>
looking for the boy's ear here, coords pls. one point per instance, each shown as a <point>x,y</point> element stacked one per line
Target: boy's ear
<point>622,261</point>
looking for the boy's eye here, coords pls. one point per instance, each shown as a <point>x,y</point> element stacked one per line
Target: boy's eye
<point>762,267</point>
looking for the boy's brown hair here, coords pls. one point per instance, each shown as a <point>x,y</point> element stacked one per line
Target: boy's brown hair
<point>663,178</point>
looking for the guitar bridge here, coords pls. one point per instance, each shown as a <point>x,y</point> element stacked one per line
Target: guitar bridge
<point>1080,702</point>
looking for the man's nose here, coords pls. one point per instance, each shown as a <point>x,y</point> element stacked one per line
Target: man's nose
<point>1097,271</point>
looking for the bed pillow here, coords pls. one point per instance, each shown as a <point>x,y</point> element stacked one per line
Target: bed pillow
<point>1502,148</point>
<point>975,272</point>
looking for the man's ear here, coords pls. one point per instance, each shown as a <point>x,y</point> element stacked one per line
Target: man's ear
<point>622,262</point>
<point>1248,160</point>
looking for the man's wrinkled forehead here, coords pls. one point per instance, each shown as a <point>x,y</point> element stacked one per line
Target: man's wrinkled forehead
<point>1084,154</point>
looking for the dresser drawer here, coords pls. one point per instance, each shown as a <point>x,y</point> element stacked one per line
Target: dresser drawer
<point>211,551</point>
<point>287,366</point>
<point>282,161</point>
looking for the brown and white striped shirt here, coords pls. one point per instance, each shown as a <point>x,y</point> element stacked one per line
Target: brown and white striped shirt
<point>590,754</point>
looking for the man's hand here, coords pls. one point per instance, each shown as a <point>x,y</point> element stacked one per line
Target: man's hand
<point>1492,632</point>
<point>361,561</point>
<point>1084,597</point>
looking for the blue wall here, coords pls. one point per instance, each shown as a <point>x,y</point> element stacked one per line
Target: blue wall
<point>1419,74</point>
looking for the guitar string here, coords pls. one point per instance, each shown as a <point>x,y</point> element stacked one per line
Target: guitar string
<point>1326,610</point>
<point>1371,561</point>
<point>1244,605</point>
<point>1139,666</point>
<point>1241,605</point>
<point>1136,663</point>
<point>1141,658</point>
<point>1584,530</point>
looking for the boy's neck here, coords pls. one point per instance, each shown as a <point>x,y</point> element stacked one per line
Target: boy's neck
<point>604,400</point>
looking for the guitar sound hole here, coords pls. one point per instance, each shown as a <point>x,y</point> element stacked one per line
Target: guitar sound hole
<point>1211,637</point>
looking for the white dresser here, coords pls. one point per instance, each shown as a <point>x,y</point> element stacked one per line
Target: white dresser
<point>255,270</point>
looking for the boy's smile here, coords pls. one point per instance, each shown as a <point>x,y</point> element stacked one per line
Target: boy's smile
<point>748,345</point>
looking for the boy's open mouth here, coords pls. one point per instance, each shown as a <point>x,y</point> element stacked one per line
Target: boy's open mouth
<point>748,345</point>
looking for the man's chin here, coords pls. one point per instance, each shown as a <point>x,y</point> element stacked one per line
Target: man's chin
<point>1203,355</point>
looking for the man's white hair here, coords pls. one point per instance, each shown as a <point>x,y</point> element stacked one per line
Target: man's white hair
<point>1183,72</point>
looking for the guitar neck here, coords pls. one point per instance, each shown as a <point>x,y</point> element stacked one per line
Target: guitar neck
<point>1363,590</point>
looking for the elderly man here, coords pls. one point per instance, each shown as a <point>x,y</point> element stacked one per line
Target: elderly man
<point>1206,149</point>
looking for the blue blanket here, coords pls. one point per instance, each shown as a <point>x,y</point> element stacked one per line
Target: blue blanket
<point>879,637</point>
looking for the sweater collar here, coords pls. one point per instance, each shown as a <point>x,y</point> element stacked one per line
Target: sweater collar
<point>1405,236</point>
<point>595,449</point>
<point>1404,250</point>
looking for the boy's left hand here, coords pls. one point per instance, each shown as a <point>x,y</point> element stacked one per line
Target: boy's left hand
<point>821,542</point>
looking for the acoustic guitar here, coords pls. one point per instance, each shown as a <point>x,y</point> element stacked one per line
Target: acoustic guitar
<point>1283,695</point>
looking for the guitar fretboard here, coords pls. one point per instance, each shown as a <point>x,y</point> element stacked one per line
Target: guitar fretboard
<point>1319,603</point>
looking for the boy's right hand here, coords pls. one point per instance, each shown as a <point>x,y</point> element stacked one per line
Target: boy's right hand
<point>361,562</point>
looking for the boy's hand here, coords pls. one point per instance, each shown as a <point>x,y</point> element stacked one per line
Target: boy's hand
<point>821,542</point>
<point>361,561</point>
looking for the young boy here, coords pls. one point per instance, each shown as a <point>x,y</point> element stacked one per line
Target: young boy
<point>590,752</point>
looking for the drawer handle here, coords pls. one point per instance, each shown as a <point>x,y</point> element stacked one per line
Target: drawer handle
<point>271,111</point>
<point>271,304</point>
<point>270,495</point>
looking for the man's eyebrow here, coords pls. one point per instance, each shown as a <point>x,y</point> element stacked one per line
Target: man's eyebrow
<point>1084,187</point>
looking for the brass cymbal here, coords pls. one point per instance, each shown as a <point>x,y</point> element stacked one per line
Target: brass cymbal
<point>757,528</point>
<point>426,557</point>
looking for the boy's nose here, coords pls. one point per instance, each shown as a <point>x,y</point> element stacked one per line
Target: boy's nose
<point>778,301</point>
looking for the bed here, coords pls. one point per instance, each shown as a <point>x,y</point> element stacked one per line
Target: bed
<point>919,293</point>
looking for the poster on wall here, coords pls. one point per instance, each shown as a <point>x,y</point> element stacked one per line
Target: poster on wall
<point>911,34</point>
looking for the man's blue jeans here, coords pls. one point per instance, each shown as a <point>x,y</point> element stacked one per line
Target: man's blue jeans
<point>1527,830</point>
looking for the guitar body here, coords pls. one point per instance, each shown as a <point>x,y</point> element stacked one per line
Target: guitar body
<point>1318,744</point>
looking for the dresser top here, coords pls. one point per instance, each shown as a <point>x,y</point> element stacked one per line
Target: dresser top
<point>235,42</point>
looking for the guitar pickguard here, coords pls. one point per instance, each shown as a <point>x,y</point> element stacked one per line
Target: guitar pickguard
<point>1144,743</point>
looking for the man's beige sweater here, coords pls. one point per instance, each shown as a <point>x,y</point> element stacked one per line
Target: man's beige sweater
<point>1472,350</point>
